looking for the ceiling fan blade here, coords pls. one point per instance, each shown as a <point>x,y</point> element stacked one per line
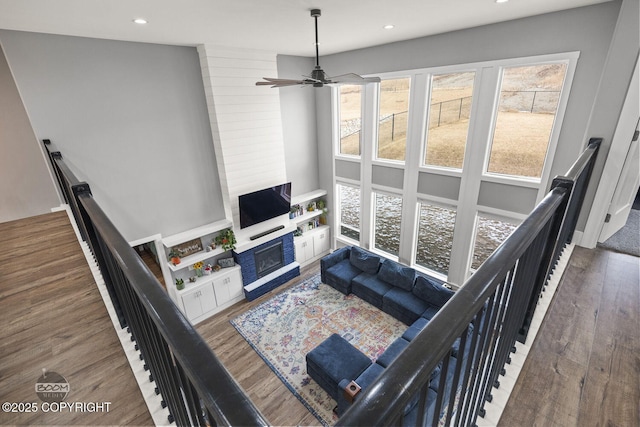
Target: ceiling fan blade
<point>278,82</point>
<point>354,79</point>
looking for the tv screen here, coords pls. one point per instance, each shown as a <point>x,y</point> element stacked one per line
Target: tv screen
<point>264,204</point>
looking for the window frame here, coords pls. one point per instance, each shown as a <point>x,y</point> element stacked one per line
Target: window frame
<point>338,209</point>
<point>568,58</point>
<point>337,129</point>
<point>441,203</point>
<point>390,192</point>
<point>376,136</point>
<point>467,68</point>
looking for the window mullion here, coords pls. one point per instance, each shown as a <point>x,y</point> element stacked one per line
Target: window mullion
<point>367,147</point>
<point>484,99</point>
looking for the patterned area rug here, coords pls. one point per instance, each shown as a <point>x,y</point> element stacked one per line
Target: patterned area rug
<point>285,328</point>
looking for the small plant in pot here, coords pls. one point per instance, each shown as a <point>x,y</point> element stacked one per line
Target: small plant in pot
<point>226,239</point>
<point>179,284</point>
<point>174,257</point>
<point>322,205</point>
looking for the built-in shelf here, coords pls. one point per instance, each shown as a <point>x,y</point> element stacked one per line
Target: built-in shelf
<point>192,259</point>
<point>302,198</point>
<point>195,233</point>
<point>306,216</point>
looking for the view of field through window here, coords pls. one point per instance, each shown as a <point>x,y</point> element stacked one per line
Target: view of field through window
<point>529,99</point>
<point>528,103</point>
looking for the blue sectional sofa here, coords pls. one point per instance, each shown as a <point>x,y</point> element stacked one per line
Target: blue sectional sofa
<point>409,296</point>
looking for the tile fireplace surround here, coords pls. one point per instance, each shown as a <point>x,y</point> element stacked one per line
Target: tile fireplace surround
<point>255,286</point>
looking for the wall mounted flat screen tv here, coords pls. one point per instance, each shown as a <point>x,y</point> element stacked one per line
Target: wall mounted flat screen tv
<point>264,204</point>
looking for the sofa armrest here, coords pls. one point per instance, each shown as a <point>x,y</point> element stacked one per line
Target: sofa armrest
<point>345,398</point>
<point>332,259</point>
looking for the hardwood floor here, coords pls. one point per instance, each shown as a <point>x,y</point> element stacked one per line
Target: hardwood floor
<point>583,369</point>
<point>584,366</point>
<point>265,389</point>
<point>53,317</point>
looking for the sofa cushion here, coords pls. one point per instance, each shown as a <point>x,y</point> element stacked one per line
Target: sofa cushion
<point>363,260</point>
<point>392,352</point>
<point>415,328</point>
<point>431,291</point>
<point>334,359</point>
<point>403,305</point>
<point>370,288</point>
<point>430,312</point>
<point>397,275</point>
<point>340,275</point>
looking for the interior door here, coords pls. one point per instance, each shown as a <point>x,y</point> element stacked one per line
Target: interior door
<point>625,192</point>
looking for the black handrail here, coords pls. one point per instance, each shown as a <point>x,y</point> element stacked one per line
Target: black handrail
<point>487,314</point>
<point>190,378</point>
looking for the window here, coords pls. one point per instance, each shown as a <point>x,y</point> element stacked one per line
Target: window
<point>435,237</point>
<point>393,118</point>
<point>387,215</point>
<point>449,112</point>
<point>529,98</point>
<point>349,206</point>
<point>350,119</point>
<point>490,233</point>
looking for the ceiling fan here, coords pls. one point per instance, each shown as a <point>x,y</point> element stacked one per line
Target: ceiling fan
<point>318,77</point>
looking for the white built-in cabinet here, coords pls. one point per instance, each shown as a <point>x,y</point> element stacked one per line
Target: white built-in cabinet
<point>209,293</point>
<point>313,239</point>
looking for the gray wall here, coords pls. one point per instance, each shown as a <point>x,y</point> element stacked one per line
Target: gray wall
<point>587,29</point>
<point>131,119</point>
<point>299,125</point>
<point>26,188</point>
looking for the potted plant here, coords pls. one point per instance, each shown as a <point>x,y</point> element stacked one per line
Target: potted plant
<point>198,268</point>
<point>174,257</point>
<point>179,284</point>
<point>226,239</point>
<point>322,205</point>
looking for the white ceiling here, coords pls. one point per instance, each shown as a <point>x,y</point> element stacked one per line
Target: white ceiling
<point>280,26</point>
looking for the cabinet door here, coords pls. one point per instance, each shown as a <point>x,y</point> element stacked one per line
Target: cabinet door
<point>320,243</point>
<point>299,244</point>
<point>222,289</point>
<point>236,288</point>
<point>207,298</point>
<point>191,302</point>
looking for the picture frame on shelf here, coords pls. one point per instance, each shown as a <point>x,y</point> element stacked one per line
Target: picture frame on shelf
<point>226,262</point>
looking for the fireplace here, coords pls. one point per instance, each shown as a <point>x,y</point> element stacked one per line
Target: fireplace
<point>269,259</point>
<point>268,265</point>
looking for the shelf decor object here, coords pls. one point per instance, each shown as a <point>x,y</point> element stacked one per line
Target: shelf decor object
<point>226,239</point>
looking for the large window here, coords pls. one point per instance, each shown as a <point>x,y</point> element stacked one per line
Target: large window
<point>529,98</point>
<point>435,237</point>
<point>387,219</point>
<point>349,208</point>
<point>490,233</point>
<point>350,119</point>
<point>449,113</point>
<point>393,118</point>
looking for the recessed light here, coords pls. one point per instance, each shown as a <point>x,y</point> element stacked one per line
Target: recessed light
<point>140,21</point>
<point>389,26</point>
<point>501,1</point>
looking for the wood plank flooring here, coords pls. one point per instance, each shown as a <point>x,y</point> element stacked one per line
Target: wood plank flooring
<point>584,366</point>
<point>53,317</point>
<point>583,369</point>
<point>265,389</point>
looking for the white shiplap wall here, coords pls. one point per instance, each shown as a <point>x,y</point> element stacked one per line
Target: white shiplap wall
<point>245,121</point>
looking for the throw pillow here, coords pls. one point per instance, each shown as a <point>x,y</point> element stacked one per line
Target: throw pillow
<point>397,275</point>
<point>364,260</point>
<point>431,291</point>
